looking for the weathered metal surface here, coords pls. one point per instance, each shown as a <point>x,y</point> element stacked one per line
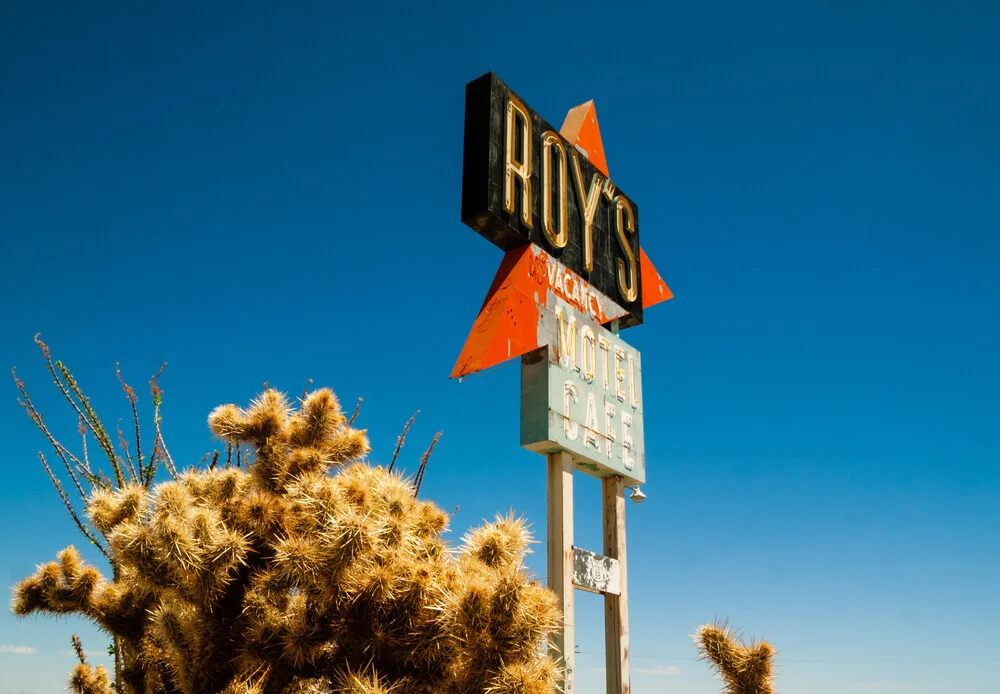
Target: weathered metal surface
<point>525,183</point>
<point>596,573</point>
<point>581,129</point>
<point>524,290</point>
<point>582,393</point>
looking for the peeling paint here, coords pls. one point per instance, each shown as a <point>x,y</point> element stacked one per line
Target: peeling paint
<point>596,573</point>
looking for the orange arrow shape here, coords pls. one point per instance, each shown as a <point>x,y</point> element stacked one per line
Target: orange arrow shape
<point>654,289</point>
<point>506,326</point>
<point>528,282</point>
<point>581,128</point>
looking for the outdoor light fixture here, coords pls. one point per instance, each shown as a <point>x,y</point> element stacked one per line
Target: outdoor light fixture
<point>637,495</point>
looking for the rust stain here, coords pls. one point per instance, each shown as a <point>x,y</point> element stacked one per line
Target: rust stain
<point>626,684</point>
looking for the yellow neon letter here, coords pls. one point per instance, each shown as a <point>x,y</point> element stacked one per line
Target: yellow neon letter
<point>550,141</point>
<point>625,221</point>
<point>521,168</point>
<point>588,205</point>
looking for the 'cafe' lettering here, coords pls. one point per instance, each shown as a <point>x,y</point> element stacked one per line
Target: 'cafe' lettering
<point>583,394</point>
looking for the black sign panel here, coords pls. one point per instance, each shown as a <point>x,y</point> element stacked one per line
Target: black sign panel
<point>524,183</point>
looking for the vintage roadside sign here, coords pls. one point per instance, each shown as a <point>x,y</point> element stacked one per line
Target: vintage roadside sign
<point>538,192</point>
<point>573,275</point>
<point>523,182</point>
<point>583,394</point>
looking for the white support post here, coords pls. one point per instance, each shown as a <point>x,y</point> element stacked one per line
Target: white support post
<point>616,646</point>
<point>560,551</point>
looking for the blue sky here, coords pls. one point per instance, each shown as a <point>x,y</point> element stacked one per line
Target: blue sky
<point>257,193</point>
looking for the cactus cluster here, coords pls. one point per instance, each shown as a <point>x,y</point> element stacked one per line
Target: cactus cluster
<point>303,570</point>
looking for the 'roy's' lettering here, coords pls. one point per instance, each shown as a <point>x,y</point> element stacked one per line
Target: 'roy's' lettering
<point>519,173</point>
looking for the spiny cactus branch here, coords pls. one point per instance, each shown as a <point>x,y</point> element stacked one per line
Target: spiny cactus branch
<point>94,540</point>
<point>743,667</point>
<point>357,409</point>
<point>123,445</point>
<point>159,445</point>
<point>78,649</point>
<point>71,391</point>
<point>83,466</point>
<point>300,569</point>
<point>133,401</point>
<point>69,460</point>
<point>424,459</point>
<point>401,439</point>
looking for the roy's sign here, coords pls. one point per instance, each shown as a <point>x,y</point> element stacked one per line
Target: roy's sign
<point>545,197</point>
<point>572,275</point>
<point>524,182</point>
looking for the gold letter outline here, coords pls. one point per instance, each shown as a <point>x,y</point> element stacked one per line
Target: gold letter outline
<point>552,140</point>
<point>588,204</point>
<point>514,167</point>
<point>629,287</point>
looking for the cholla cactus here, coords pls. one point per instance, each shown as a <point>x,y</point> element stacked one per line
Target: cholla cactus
<point>283,578</point>
<point>743,668</point>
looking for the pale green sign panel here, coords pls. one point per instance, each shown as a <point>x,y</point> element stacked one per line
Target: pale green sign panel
<point>583,394</point>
